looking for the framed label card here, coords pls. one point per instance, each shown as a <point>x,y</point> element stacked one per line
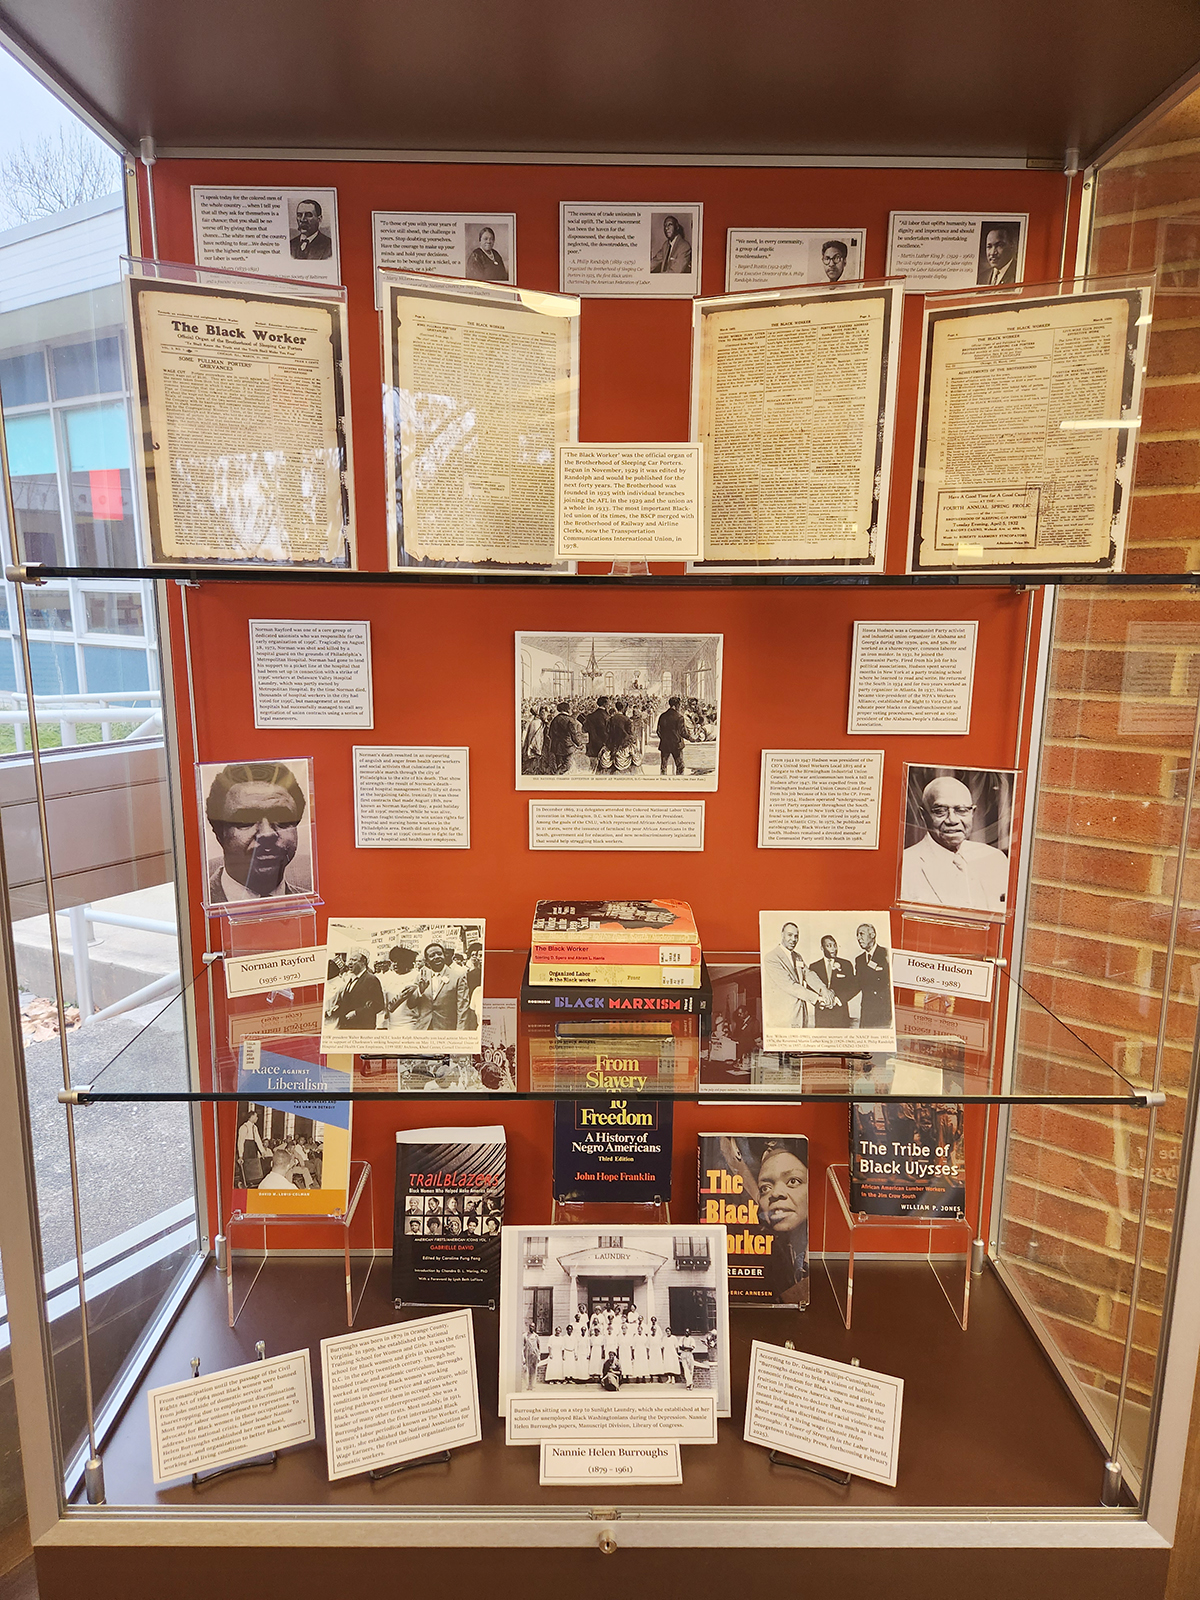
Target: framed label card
<point>824,1411</point>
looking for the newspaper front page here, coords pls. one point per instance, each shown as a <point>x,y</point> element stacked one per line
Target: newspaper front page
<point>1026,433</point>
<point>242,407</point>
<point>482,396</point>
<point>794,413</point>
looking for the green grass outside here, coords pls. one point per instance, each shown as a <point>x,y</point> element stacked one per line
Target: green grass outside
<point>50,734</point>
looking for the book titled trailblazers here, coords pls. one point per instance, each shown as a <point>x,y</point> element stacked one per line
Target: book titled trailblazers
<point>449,1212</point>
<point>757,1186</point>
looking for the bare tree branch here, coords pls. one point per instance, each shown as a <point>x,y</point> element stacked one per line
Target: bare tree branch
<point>45,176</point>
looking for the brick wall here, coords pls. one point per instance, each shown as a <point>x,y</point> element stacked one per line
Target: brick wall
<point>1107,819</point>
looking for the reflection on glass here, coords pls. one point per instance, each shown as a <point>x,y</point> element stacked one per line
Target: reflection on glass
<point>48,609</point>
<point>101,486</point>
<point>114,613</point>
<point>33,469</point>
<point>90,367</point>
<point>23,380</point>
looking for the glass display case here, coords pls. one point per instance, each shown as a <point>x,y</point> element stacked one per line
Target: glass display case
<point>1046,1334</point>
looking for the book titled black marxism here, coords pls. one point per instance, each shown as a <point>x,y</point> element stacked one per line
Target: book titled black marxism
<point>612,1150</point>
<point>449,1212</point>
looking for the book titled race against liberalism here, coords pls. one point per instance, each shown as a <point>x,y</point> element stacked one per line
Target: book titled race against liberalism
<point>612,1150</point>
<point>291,1155</point>
<point>449,1212</point>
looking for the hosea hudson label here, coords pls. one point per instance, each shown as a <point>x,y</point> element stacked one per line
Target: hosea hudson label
<point>612,1149</point>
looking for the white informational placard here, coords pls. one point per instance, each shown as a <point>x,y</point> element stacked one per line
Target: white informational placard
<point>773,258</point>
<point>225,1417</point>
<point>274,970</point>
<point>934,250</point>
<point>628,500</point>
<point>616,825</point>
<point>396,1393</point>
<point>611,250</point>
<point>587,1461</point>
<point>689,1418</point>
<point>913,969</point>
<point>824,1411</point>
<point>311,674</point>
<point>454,244</point>
<point>277,233</point>
<point>412,797</point>
<point>820,799</point>
<point>912,677</point>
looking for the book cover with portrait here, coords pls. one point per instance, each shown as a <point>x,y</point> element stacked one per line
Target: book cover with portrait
<point>449,1212</point>
<point>756,1186</point>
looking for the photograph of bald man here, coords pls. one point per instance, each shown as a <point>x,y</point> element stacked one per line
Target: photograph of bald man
<point>951,864</point>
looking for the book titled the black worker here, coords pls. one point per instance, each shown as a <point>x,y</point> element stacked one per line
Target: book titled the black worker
<point>612,1150</point>
<point>757,1186</point>
<point>449,1212</point>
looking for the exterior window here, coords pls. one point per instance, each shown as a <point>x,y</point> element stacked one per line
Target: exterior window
<point>535,1250</point>
<point>101,485</point>
<point>33,468</point>
<point>48,610</point>
<point>93,367</point>
<point>113,613</point>
<point>609,1241</point>
<point>23,380</point>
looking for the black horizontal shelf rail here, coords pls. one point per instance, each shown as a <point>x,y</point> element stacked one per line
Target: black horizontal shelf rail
<point>657,580</point>
<point>84,1096</point>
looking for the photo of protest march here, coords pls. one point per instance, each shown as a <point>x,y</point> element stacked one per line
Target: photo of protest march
<point>403,986</point>
<point>612,711</point>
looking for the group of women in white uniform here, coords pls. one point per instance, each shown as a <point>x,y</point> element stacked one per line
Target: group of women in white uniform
<point>621,1346</point>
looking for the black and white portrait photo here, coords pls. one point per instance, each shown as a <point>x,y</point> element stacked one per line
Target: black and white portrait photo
<point>257,826</point>
<point>275,1148</point>
<point>641,1309</point>
<point>827,981</point>
<point>957,838</point>
<point>999,247</point>
<point>309,234</point>
<point>605,711</point>
<point>670,242</point>
<point>404,986</point>
<point>488,251</point>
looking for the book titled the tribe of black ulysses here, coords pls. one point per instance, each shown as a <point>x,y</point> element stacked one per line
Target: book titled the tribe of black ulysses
<point>449,1212</point>
<point>604,1001</point>
<point>612,1150</point>
<point>907,1159</point>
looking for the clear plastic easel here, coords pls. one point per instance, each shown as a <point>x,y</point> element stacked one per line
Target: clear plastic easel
<point>945,1243</point>
<point>359,1205</point>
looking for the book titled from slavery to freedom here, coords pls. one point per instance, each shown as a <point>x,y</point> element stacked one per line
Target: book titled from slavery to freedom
<point>449,1212</point>
<point>612,1150</point>
<point>291,1153</point>
<point>756,1185</point>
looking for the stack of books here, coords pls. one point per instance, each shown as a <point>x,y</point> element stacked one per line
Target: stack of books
<point>625,995</point>
<point>618,958</point>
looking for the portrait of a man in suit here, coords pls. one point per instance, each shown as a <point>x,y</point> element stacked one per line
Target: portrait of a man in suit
<point>256,816</point>
<point>311,241</point>
<point>838,977</point>
<point>674,254</point>
<point>999,264</point>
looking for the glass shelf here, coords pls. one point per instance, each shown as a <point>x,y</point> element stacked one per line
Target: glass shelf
<point>948,1048</point>
<point>223,573</point>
